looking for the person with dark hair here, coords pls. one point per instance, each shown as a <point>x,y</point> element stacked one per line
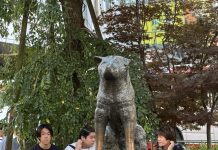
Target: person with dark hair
<point>166,138</point>
<point>44,135</point>
<point>86,140</point>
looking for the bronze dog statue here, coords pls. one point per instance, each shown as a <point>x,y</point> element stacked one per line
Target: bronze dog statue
<point>115,102</point>
<point>111,143</point>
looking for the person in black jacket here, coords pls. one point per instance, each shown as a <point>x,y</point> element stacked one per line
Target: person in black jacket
<point>166,138</point>
<point>44,135</point>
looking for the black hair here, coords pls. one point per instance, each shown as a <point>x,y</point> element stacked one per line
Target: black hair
<point>85,131</point>
<point>168,132</point>
<point>42,126</point>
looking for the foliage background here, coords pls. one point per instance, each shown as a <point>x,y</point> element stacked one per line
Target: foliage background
<point>48,93</point>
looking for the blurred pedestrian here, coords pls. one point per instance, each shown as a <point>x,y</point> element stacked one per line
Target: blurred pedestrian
<point>3,139</point>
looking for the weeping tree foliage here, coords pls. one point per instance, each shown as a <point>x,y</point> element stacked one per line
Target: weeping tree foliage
<point>18,65</point>
<point>54,78</point>
<point>56,82</point>
<point>5,20</point>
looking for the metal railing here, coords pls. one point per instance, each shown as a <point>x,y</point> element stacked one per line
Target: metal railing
<point>196,141</point>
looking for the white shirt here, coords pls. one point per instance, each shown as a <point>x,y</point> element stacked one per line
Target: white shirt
<point>74,144</point>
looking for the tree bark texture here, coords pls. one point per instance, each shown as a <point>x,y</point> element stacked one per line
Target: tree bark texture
<point>21,50</point>
<point>73,18</point>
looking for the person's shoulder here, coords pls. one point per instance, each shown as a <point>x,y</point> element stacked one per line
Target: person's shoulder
<point>34,147</point>
<point>54,147</point>
<point>93,147</point>
<point>178,146</point>
<point>68,147</point>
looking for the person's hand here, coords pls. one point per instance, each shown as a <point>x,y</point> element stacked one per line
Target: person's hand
<point>78,144</point>
<point>171,145</point>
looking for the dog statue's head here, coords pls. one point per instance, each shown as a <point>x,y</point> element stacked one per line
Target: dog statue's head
<point>112,67</point>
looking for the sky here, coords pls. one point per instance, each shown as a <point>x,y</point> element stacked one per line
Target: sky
<point>3,112</point>
<point>10,38</point>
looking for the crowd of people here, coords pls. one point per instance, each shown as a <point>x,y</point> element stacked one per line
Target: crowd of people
<point>44,133</point>
<point>166,139</point>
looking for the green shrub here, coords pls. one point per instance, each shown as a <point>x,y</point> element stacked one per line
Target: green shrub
<point>200,147</point>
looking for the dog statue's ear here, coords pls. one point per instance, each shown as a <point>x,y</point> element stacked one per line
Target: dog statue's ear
<point>126,61</point>
<point>98,59</point>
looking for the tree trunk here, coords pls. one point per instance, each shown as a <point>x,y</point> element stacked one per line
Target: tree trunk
<point>208,136</point>
<point>74,22</point>
<point>19,64</point>
<point>94,19</point>
<point>22,44</point>
<point>8,145</point>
